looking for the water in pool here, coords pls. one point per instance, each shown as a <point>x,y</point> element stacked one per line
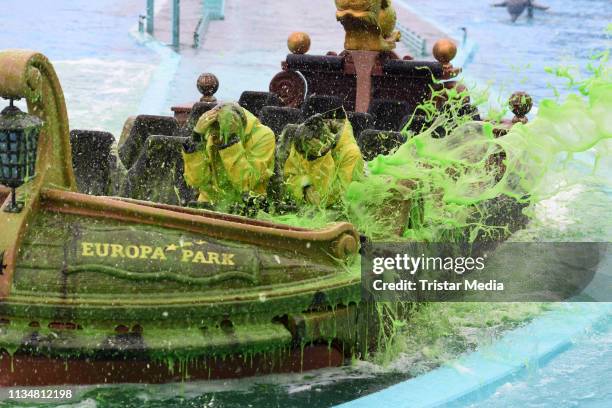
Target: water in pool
<point>515,55</point>
<point>580,377</point>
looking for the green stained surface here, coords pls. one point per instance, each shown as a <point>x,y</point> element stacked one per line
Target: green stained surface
<point>99,274</point>
<point>68,255</point>
<point>196,341</point>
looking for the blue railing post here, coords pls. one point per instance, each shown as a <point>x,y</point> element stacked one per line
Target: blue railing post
<point>215,9</point>
<point>211,10</point>
<point>176,22</point>
<point>141,23</point>
<point>150,16</point>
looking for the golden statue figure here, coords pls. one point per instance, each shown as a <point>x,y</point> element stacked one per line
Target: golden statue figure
<point>369,24</point>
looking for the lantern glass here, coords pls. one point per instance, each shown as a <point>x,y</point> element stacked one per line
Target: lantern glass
<point>19,134</point>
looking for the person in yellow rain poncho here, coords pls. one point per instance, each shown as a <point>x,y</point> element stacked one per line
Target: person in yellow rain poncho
<point>229,158</point>
<point>323,160</point>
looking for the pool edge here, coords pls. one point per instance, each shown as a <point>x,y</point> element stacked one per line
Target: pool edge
<point>154,99</point>
<point>533,344</point>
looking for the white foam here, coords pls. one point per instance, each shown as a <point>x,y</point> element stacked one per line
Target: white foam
<point>100,94</point>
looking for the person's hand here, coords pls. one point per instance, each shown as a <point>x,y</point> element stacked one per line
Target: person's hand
<point>207,120</point>
<point>215,137</point>
<point>190,146</point>
<point>316,147</point>
<point>312,196</point>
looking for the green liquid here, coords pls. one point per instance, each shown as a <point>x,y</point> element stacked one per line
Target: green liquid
<point>452,177</point>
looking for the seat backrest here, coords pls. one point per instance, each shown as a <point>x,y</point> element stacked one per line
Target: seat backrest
<point>277,117</point>
<point>388,114</point>
<point>360,122</point>
<point>144,126</point>
<point>92,160</point>
<point>254,101</point>
<point>197,110</point>
<point>374,142</point>
<point>158,173</point>
<point>315,104</point>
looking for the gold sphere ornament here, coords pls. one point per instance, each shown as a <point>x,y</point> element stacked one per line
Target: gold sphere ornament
<point>208,85</point>
<point>298,43</point>
<point>444,50</point>
<point>520,104</point>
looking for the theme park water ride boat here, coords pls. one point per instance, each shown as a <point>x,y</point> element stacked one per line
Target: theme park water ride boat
<point>108,277</point>
<point>98,289</point>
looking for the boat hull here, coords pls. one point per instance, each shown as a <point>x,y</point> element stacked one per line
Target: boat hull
<point>31,370</point>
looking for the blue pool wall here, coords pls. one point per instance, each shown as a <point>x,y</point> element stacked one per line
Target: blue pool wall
<point>479,374</point>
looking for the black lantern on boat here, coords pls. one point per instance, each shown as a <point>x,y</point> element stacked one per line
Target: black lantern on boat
<point>18,146</point>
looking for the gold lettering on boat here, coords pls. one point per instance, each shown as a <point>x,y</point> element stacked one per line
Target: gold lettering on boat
<point>132,251</point>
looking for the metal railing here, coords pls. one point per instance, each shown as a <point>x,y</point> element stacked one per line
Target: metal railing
<point>215,8</point>
<point>414,42</point>
<point>176,23</point>
<point>147,22</point>
<point>150,16</point>
<point>211,10</point>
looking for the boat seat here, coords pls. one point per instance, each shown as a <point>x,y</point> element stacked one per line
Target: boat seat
<point>360,122</point>
<point>276,185</point>
<point>325,63</point>
<point>92,160</point>
<point>315,104</point>
<point>143,127</point>
<point>255,101</point>
<point>418,123</point>
<point>388,114</point>
<point>376,142</point>
<point>413,69</point>
<point>471,111</point>
<point>197,110</point>
<point>157,173</point>
<point>277,117</point>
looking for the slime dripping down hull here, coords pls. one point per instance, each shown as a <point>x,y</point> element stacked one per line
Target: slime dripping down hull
<point>119,290</point>
<point>139,293</point>
<point>118,296</point>
<point>98,289</point>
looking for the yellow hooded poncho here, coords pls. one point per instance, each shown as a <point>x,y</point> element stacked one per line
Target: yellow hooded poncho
<point>328,176</point>
<point>223,174</point>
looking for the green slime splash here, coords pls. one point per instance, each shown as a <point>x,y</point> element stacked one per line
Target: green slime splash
<point>450,179</point>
